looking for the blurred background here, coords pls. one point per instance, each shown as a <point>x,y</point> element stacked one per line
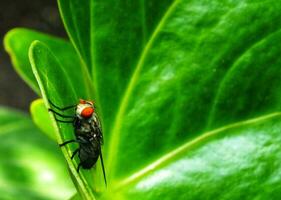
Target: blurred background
<point>41,15</point>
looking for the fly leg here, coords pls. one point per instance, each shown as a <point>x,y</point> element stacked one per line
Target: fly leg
<point>61,115</point>
<point>56,113</point>
<point>61,109</point>
<point>103,168</point>
<point>74,153</point>
<point>64,121</point>
<point>67,142</point>
<point>79,165</point>
<point>71,141</point>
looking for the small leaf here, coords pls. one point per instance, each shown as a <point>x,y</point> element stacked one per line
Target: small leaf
<point>41,118</point>
<point>17,43</point>
<point>31,166</point>
<point>56,86</point>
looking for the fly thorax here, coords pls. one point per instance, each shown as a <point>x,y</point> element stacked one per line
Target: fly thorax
<point>85,127</point>
<point>94,120</point>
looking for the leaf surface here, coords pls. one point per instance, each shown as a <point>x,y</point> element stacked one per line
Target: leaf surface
<point>240,161</point>
<point>31,166</point>
<point>41,118</point>
<point>17,43</point>
<point>173,109</point>
<point>175,86</point>
<point>56,85</point>
<point>110,37</point>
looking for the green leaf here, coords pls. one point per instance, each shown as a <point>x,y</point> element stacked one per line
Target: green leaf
<point>75,197</point>
<point>41,118</point>
<point>17,42</point>
<point>55,84</point>
<point>240,161</point>
<point>198,71</point>
<point>31,166</point>
<point>110,37</point>
<point>256,94</point>
<point>174,87</point>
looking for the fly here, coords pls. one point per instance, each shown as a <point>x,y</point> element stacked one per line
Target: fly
<point>88,133</point>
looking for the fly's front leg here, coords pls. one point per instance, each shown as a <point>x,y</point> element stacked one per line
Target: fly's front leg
<point>59,114</point>
<point>64,121</point>
<point>74,153</point>
<point>63,116</point>
<point>56,113</point>
<point>61,109</point>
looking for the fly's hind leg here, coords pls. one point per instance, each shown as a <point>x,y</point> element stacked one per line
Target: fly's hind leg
<point>67,142</point>
<point>79,165</point>
<point>74,153</point>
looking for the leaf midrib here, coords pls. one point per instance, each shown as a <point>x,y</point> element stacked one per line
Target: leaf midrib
<point>169,157</point>
<point>115,131</point>
<point>85,68</point>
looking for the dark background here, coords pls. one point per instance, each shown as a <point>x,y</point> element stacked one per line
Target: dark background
<point>41,15</point>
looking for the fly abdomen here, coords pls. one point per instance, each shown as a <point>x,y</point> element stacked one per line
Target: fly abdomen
<point>88,156</point>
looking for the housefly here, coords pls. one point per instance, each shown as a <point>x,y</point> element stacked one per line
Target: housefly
<point>88,133</point>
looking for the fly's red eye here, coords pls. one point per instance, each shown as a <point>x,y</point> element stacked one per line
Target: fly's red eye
<point>82,101</point>
<point>87,112</point>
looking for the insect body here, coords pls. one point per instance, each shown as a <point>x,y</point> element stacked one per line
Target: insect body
<point>88,133</point>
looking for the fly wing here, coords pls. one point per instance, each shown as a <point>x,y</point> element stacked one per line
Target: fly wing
<point>98,126</point>
<point>101,142</point>
<point>98,129</point>
<point>103,168</point>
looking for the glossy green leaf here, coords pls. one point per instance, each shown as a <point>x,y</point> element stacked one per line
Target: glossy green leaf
<point>206,65</point>
<point>56,85</point>
<point>31,166</point>
<point>254,94</point>
<point>41,118</point>
<point>240,161</point>
<point>110,37</point>
<point>17,42</point>
<point>75,197</point>
<point>173,89</point>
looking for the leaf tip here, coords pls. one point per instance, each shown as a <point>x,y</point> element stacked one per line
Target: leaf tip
<point>9,36</point>
<point>34,47</point>
<point>34,104</point>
